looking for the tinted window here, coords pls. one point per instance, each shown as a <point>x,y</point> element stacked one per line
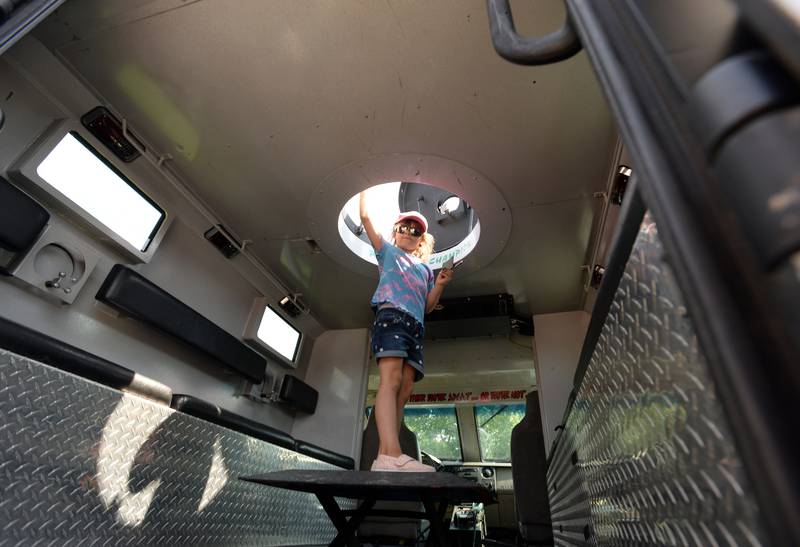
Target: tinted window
<point>81,174</point>
<point>278,334</point>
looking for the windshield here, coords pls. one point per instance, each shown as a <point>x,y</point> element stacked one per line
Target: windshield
<point>495,423</point>
<point>436,429</point>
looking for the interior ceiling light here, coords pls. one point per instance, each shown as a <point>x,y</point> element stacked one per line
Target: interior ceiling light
<point>290,306</point>
<point>450,205</point>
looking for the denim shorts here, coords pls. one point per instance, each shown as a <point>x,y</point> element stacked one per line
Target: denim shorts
<point>397,334</point>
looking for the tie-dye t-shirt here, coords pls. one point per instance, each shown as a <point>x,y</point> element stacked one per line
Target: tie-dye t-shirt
<point>405,281</point>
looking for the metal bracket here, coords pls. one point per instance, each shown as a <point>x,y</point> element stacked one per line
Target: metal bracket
<point>620,184</point>
<point>597,275</point>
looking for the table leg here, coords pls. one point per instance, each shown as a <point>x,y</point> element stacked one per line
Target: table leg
<point>436,518</point>
<point>346,528</point>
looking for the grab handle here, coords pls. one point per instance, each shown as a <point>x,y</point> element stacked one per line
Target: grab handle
<point>552,48</point>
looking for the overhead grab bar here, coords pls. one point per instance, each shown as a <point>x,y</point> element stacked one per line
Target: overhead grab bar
<point>552,48</point>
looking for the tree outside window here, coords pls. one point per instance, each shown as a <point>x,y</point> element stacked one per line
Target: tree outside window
<point>495,423</point>
<point>436,429</point>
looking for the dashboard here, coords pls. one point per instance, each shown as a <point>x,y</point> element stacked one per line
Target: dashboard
<point>497,478</point>
<point>482,474</point>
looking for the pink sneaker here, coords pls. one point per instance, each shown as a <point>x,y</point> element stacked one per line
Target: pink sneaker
<point>401,463</point>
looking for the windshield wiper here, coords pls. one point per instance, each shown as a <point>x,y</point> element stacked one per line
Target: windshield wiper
<point>490,418</point>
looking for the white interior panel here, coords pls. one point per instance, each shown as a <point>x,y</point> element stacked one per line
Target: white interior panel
<point>338,369</point>
<point>559,339</point>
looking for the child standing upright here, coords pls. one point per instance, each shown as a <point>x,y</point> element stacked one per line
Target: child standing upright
<point>407,290</point>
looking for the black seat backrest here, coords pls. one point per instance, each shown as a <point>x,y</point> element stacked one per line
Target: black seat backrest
<point>529,473</point>
<point>384,528</point>
<point>132,294</point>
<point>370,442</point>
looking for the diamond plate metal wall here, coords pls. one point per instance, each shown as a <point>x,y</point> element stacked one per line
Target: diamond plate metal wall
<point>83,464</point>
<point>646,457</point>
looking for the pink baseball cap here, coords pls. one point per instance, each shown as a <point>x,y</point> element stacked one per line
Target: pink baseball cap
<point>415,216</point>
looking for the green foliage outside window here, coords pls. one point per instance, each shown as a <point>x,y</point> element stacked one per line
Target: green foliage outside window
<point>436,429</point>
<point>495,423</point>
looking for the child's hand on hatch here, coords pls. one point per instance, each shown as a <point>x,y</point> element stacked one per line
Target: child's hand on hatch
<point>444,277</point>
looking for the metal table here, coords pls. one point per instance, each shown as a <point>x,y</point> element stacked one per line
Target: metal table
<point>436,491</point>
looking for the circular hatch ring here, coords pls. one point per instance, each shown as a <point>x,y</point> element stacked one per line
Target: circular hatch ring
<point>456,234</point>
<point>336,189</point>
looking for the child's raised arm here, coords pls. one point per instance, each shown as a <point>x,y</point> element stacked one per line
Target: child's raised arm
<point>374,237</point>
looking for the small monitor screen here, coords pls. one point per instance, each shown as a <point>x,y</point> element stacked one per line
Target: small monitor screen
<point>278,334</point>
<point>78,171</point>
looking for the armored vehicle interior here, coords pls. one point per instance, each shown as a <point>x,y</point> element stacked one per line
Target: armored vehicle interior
<point>186,286</point>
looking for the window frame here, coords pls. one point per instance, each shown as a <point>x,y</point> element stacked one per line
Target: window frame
<point>250,335</point>
<point>24,171</point>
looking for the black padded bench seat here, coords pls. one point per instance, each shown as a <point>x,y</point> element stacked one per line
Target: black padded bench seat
<point>45,349</point>
<point>40,347</point>
<point>212,413</point>
<point>132,294</point>
<point>55,353</point>
<point>325,455</point>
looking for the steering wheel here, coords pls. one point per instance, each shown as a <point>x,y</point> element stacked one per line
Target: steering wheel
<point>437,463</point>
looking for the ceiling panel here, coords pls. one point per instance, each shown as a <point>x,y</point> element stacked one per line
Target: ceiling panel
<point>259,102</point>
<point>541,267</point>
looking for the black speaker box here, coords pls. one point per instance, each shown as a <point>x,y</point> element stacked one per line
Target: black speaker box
<point>298,394</point>
<point>21,218</point>
<point>470,307</point>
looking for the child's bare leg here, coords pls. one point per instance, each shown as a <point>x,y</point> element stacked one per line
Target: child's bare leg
<point>406,387</point>
<point>390,369</point>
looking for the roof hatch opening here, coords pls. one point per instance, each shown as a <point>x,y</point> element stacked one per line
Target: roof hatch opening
<point>451,220</point>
